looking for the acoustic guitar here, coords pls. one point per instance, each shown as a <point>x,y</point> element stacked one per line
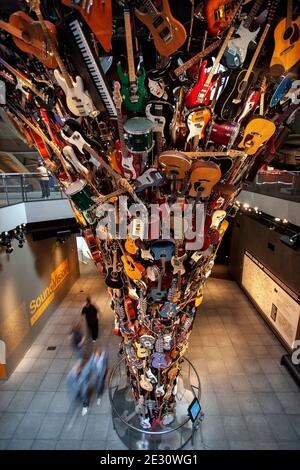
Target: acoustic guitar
<point>257,132</point>
<point>28,36</point>
<point>204,176</point>
<point>168,33</point>
<point>98,15</point>
<point>287,43</point>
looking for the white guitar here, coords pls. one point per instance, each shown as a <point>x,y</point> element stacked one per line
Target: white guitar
<point>72,158</point>
<point>78,101</point>
<point>237,48</point>
<point>217,218</point>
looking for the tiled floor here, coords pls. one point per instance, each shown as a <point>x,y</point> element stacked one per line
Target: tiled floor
<point>249,400</point>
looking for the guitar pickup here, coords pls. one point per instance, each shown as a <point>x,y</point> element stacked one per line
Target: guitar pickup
<point>166,34</point>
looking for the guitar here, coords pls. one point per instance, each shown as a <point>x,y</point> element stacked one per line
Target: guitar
<point>132,269</point>
<point>160,113</point>
<point>133,87</point>
<point>129,164</point>
<point>217,218</point>
<point>219,15</point>
<point>168,33</point>
<point>257,132</point>
<point>175,165</point>
<point>28,35</point>
<point>157,295</point>
<point>250,104</point>
<point>93,247</point>
<point>204,176</point>
<point>149,179</point>
<point>130,246</point>
<point>236,51</point>
<point>98,15</point>
<point>169,310</point>
<point>78,101</point>
<point>281,90</point>
<point>173,75</point>
<point>202,91</point>
<point>231,100</point>
<point>287,43</point>
<point>197,122</point>
<point>113,278</point>
<point>46,94</point>
<point>162,250</point>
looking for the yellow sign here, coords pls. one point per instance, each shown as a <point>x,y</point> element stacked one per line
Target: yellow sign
<point>38,306</point>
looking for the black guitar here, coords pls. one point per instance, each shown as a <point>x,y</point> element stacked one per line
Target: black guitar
<point>113,278</point>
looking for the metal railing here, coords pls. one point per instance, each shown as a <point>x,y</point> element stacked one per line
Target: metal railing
<point>277,183</point>
<point>26,187</point>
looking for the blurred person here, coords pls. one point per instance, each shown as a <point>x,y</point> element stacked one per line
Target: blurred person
<point>77,339</point>
<point>78,382</point>
<point>44,179</point>
<point>101,365</point>
<point>91,316</point>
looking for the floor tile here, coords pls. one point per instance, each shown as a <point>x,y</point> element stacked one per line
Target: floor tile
<point>6,397</point>
<point>290,402</point>
<point>281,427</point>
<point>259,428</point>
<point>259,383</point>
<point>69,444</point>
<point>281,383</point>
<point>20,444</point>
<point>50,382</point>
<point>41,402</point>
<point>52,426</point>
<point>32,381</point>
<point>29,426</point>
<point>9,423</point>
<point>44,444</point>
<point>20,402</point>
<point>212,428</point>
<point>249,403</point>
<point>14,382</point>
<point>59,366</point>
<point>60,403</point>
<point>240,383</point>
<point>228,404</point>
<point>269,403</point>
<point>235,428</point>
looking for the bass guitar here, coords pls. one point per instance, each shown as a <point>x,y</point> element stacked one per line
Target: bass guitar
<point>287,43</point>
<point>168,33</point>
<point>133,87</point>
<point>231,101</point>
<point>78,101</point>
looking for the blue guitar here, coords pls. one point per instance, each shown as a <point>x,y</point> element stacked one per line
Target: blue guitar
<point>281,90</point>
<point>169,310</point>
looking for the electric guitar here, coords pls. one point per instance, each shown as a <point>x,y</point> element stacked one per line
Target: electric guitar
<point>219,14</point>
<point>28,35</point>
<point>149,179</point>
<point>168,33</point>
<point>114,278</point>
<point>160,113</point>
<point>133,89</point>
<point>197,122</point>
<point>257,132</point>
<point>98,15</point>
<point>231,100</point>
<point>201,92</point>
<point>237,48</point>
<point>128,163</point>
<point>287,43</point>
<point>281,90</point>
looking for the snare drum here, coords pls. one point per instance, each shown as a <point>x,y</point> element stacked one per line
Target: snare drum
<point>80,194</point>
<point>139,138</point>
<point>224,133</point>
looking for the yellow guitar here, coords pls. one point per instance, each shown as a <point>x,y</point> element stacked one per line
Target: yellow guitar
<point>287,43</point>
<point>257,132</point>
<point>130,246</point>
<point>199,297</point>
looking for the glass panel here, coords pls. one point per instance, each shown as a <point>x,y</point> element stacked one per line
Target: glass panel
<point>276,183</point>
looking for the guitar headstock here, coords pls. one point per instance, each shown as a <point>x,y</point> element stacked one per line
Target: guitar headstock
<point>35,5</point>
<point>117,97</point>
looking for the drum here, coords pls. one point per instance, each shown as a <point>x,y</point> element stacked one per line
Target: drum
<point>224,133</point>
<point>80,194</point>
<point>139,138</point>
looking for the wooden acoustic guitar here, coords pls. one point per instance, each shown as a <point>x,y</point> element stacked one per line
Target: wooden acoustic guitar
<point>287,43</point>
<point>168,33</point>
<point>98,15</point>
<point>204,176</point>
<point>257,132</point>
<point>28,36</point>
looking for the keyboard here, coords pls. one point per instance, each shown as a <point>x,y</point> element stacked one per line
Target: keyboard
<point>88,65</point>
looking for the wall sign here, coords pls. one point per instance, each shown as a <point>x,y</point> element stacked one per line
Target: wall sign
<point>276,301</point>
<point>38,305</point>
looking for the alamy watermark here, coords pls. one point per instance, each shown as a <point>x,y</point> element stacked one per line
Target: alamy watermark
<point>296,352</point>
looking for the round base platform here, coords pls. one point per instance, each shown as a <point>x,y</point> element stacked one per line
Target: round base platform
<point>127,422</point>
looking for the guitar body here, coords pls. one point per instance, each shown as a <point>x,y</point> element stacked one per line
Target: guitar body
<point>197,122</point>
<point>113,279</point>
<point>250,104</point>
<point>99,19</point>
<point>281,90</point>
<point>200,93</point>
<point>177,263</point>
<point>168,33</point>
<point>129,163</point>
<point>204,176</point>
<point>140,104</point>
<point>218,15</point>
<point>287,47</point>
<point>233,96</point>
<point>158,295</point>
<point>150,178</point>
<point>161,114</point>
<point>78,102</point>
<point>257,132</point>
<point>169,310</point>
<point>133,270</point>
<point>174,164</point>
<point>33,29</point>
<point>236,51</point>
<point>130,246</point>
<point>115,159</point>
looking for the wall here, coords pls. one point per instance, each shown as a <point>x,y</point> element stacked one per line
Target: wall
<point>34,280</point>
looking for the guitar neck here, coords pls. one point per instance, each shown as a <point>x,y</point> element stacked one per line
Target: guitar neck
<point>289,14</point>
<point>54,50</point>
<point>182,68</point>
<point>129,48</point>
<point>253,12</point>
<point>219,56</point>
<point>23,78</point>
<point>257,51</point>
<point>195,155</point>
<point>151,10</point>
<point>11,30</point>
<point>121,133</point>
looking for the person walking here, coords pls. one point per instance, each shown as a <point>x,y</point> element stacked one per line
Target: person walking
<point>101,364</point>
<point>78,382</point>
<point>44,180</point>
<point>91,315</point>
<point>77,339</point>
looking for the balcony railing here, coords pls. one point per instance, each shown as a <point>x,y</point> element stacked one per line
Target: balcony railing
<point>26,187</point>
<point>280,184</point>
